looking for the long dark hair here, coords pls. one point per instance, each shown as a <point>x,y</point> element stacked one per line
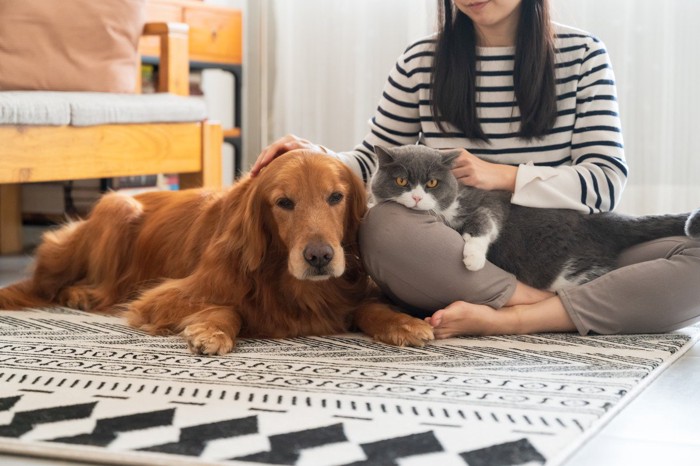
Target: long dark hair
<point>453,80</point>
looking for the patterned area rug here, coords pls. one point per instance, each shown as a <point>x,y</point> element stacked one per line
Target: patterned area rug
<point>82,386</point>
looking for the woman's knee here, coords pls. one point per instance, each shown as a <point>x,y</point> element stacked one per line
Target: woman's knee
<point>417,261</point>
<point>662,248</point>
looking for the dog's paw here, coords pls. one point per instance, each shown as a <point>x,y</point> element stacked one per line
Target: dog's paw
<point>78,297</point>
<point>407,331</point>
<point>204,338</point>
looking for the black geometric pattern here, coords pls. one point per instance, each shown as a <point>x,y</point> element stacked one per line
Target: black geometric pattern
<point>388,451</point>
<point>106,430</point>
<point>25,421</point>
<point>285,448</point>
<point>78,379</point>
<point>505,454</point>
<point>194,439</point>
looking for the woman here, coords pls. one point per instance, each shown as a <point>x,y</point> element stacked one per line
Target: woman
<point>534,105</point>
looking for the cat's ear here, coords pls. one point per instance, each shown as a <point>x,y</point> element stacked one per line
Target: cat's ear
<point>383,155</point>
<point>449,157</point>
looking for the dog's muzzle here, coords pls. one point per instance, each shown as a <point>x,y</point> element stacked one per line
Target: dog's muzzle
<point>319,256</point>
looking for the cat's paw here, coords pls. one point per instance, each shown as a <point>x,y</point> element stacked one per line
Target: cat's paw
<point>474,262</point>
<point>474,253</point>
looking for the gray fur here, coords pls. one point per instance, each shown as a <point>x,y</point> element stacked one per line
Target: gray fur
<point>692,226</point>
<point>544,248</point>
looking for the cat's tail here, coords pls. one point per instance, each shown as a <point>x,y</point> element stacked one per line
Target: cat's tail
<point>692,225</point>
<point>627,231</point>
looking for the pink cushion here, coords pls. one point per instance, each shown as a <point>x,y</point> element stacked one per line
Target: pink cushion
<point>70,45</point>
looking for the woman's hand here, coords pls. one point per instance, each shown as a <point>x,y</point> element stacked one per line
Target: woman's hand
<point>279,147</point>
<point>473,171</point>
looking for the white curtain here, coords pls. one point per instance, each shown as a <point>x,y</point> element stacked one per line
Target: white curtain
<point>327,61</point>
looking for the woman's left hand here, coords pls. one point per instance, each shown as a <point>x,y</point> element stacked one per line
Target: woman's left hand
<point>473,171</point>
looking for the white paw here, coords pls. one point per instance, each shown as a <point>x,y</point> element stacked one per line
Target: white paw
<point>474,252</point>
<point>473,261</point>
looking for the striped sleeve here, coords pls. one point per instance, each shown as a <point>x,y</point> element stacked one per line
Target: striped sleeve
<point>396,121</point>
<point>598,172</point>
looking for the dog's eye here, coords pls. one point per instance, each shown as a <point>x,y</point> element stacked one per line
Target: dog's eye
<point>335,198</point>
<point>431,183</point>
<point>285,203</point>
<point>401,181</point>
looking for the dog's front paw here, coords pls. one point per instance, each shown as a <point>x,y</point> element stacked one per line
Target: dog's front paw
<point>406,331</point>
<point>78,297</point>
<point>204,338</point>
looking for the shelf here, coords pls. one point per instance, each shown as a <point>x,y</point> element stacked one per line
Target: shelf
<point>232,133</point>
<point>215,42</point>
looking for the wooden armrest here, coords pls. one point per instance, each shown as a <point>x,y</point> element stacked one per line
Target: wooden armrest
<point>174,69</point>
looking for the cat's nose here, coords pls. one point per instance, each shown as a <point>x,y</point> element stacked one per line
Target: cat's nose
<point>417,198</point>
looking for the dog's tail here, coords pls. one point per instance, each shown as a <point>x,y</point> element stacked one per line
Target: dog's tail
<point>21,295</point>
<point>58,262</point>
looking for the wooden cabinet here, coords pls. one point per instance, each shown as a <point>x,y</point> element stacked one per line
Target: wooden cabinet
<point>214,36</point>
<point>215,32</point>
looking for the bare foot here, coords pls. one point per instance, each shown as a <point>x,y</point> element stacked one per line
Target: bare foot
<point>461,318</point>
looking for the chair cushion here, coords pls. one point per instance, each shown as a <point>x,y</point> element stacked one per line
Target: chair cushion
<point>33,108</point>
<point>70,45</point>
<point>96,108</point>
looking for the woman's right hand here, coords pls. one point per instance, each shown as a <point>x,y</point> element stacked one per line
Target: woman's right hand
<point>281,146</point>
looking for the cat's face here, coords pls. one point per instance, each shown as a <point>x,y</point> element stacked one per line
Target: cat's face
<point>417,177</point>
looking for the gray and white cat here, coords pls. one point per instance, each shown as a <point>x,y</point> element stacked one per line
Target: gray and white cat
<point>545,248</point>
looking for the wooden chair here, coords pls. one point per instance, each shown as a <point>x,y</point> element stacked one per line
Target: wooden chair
<point>57,153</point>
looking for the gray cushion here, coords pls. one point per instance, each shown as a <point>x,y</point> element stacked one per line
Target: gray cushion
<point>33,108</point>
<point>95,108</point>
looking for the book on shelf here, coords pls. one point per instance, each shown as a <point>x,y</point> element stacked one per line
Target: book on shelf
<point>149,79</point>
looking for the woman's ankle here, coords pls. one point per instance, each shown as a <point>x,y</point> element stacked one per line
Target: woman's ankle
<point>548,315</point>
<point>525,294</point>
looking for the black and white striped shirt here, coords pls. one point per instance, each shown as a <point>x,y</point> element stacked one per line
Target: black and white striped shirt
<point>578,165</point>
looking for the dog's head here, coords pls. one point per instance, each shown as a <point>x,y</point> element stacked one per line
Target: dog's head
<point>309,205</point>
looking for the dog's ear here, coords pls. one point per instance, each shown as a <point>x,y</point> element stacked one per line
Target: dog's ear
<point>356,206</point>
<point>241,236</point>
<point>255,238</point>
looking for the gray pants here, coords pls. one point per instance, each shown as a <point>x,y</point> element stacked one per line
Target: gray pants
<point>417,261</point>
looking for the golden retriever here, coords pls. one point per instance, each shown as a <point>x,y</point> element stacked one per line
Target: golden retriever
<point>274,256</point>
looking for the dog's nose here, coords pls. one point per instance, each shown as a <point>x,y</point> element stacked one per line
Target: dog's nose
<point>318,254</point>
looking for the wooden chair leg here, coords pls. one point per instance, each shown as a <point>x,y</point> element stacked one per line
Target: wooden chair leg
<point>10,219</point>
<point>210,176</point>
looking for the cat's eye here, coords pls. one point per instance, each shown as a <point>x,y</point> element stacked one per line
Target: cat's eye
<point>431,183</point>
<point>401,181</point>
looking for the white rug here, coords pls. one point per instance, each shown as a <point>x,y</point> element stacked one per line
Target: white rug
<point>82,386</point>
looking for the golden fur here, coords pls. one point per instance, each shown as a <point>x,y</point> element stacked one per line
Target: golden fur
<point>274,256</point>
